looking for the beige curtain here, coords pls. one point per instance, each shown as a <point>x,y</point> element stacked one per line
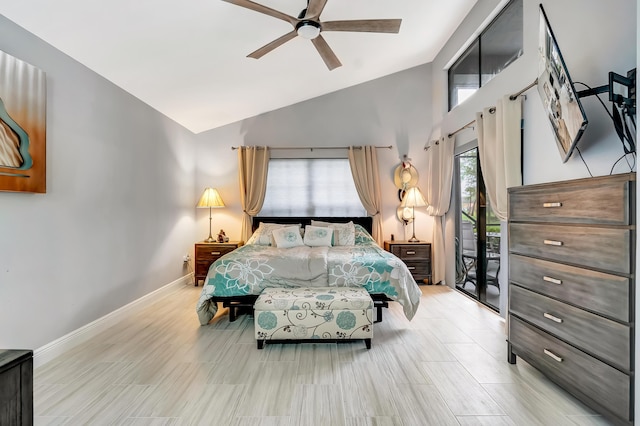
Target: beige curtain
<point>253,164</point>
<point>499,146</point>
<point>364,168</point>
<point>438,196</point>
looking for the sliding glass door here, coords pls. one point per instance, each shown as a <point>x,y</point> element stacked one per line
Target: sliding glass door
<point>477,233</point>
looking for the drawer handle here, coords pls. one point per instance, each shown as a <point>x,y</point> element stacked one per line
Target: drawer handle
<point>552,243</point>
<point>411,252</point>
<point>552,355</point>
<point>552,280</point>
<point>411,268</point>
<point>550,205</point>
<point>215,253</point>
<point>553,318</point>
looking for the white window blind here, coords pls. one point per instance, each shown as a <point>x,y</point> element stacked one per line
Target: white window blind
<point>311,187</point>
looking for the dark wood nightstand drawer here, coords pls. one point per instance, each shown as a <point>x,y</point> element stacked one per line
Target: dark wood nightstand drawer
<point>211,252</point>
<point>417,257</point>
<point>418,268</point>
<point>207,253</point>
<point>408,252</point>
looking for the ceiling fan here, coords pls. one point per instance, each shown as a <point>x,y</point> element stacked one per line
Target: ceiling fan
<point>308,25</point>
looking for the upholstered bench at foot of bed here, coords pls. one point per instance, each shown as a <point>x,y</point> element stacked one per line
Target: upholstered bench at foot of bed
<point>310,314</point>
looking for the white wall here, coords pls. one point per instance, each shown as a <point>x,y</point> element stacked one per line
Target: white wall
<point>595,37</point>
<point>118,215</point>
<point>393,110</point>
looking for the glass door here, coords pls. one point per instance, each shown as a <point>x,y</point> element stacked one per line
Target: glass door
<point>477,233</point>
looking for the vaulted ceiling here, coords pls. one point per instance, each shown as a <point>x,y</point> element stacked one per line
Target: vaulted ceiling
<point>188,59</point>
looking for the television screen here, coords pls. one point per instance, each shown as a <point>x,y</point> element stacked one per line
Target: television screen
<point>561,103</point>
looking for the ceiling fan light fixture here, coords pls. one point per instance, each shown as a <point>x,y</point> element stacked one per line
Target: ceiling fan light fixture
<point>308,29</point>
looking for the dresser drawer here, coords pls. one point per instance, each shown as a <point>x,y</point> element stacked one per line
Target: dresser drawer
<point>597,200</point>
<point>599,292</point>
<point>606,339</point>
<point>407,252</point>
<point>578,372</point>
<point>598,248</point>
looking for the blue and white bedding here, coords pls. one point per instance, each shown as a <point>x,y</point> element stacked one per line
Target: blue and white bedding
<point>254,267</point>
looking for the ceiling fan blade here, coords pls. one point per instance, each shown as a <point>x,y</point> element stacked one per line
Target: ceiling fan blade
<point>264,9</point>
<point>270,46</point>
<point>364,25</point>
<point>329,58</point>
<point>315,8</point>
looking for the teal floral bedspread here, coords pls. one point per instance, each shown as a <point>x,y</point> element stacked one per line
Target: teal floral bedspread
<point>252,268</point>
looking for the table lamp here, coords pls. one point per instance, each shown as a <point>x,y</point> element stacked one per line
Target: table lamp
<point>210,198</point>
<point>413,198</point>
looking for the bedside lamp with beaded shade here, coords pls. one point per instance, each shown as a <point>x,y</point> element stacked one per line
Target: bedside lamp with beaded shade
<point>413,198</point>
<point>210,198</point>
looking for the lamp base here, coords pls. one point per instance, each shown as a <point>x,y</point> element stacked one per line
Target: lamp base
<point>210,240</point>
<point>413,240</point>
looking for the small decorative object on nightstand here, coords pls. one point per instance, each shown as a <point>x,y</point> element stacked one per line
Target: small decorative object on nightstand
<point>207,253</point>
<point>417,257</point>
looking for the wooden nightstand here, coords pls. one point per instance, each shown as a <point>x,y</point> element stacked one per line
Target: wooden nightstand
<point>417,256</point>
<point>207,253</point>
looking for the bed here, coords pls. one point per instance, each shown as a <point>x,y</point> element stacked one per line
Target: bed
<point>350,260</point>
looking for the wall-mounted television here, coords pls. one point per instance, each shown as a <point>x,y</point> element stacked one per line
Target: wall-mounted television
<point>561,102</point>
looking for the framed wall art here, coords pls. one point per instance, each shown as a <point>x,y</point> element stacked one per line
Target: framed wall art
<point>23,150</point>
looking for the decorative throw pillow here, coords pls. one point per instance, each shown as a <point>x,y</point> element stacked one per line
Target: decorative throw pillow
<point>317,236</point>
<point>287,237</point>
<point>344,234</point>
<point>263,235</point>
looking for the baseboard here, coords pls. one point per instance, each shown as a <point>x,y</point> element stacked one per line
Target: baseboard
<point>51,350</point>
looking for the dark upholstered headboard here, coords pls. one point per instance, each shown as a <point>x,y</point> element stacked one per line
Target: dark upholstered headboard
<point>366,222</point>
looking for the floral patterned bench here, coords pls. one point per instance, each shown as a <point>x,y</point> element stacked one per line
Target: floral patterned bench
<point>307,314</point>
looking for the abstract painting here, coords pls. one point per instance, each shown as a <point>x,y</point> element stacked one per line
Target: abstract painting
<point>23,149</point>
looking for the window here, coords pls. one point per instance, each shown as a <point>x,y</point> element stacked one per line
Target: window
<point>497,46</point>
<point>311,187</point>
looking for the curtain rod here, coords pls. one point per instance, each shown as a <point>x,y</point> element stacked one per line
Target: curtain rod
<point>316,147</point>
<point>512,97</point>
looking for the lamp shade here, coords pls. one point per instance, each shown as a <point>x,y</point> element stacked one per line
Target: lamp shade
<point>210,198</point>
<point>413,198</point>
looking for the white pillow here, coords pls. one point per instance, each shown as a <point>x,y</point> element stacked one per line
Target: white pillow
<point>344,234</point>
<point>263,235</point>
<point>318,236</point>
<point>287,237</point>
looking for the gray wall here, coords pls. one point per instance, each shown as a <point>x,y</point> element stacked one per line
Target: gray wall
<point>118,213</point>
<point>595,37</point>
<point>123,179</point>
<point>393,110</point>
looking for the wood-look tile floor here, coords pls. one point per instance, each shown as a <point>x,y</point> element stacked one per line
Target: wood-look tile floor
<point>160,367</point>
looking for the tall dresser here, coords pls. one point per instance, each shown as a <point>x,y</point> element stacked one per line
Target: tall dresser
<point>572,288</point>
